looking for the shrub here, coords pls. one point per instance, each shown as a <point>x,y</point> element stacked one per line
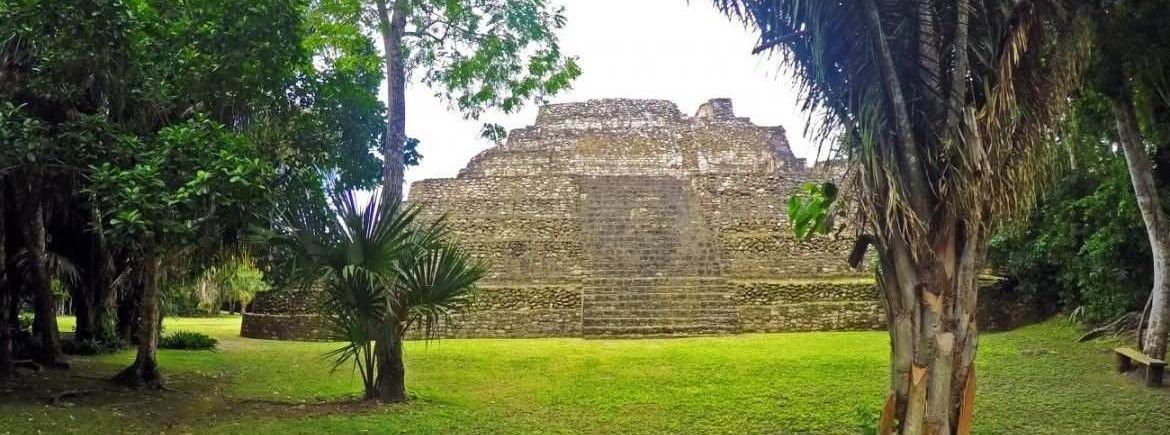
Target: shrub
<point>187,340</point>
<point>26,322</point>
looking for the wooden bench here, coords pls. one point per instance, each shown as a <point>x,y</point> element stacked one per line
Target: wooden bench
<point>1126,356</point>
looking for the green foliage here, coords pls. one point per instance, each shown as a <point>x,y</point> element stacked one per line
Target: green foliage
<point>188,182</point>
<point>493,132</point>
<point>383,273</point>
<point>234,282</point>
<point>810,210</point>
<point>187,340</point>
<point>25,322</point>
<point>1084,248</point>
<point>489,53</point>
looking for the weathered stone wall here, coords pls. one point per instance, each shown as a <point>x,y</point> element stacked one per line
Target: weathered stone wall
<point>623,218</point>
<point>298,327</point>
<point>514,311</point>
<point>807,305</point>
<point>289,314</point>
<point>748,213</point>
<point>647,212</point>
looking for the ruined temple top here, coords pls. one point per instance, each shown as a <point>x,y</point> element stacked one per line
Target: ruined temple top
<point>608,113</point>
<point>621,136</point>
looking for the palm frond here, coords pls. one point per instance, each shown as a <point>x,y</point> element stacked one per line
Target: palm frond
<point>437,282</point>
<point>59,266</point>
<point>1011,63</point>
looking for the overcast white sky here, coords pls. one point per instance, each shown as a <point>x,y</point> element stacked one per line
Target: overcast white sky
<point>663,49</point>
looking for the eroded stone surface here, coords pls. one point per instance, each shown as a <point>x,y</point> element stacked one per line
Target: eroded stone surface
<point>655,220</point>
<point>627,218</point>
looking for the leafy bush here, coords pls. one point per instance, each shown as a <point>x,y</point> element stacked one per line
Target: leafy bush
<point>1085,247</point>
<point>26,322</point>
<point>187,340</point>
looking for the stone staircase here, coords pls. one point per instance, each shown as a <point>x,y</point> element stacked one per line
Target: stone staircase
<point>653,268</point>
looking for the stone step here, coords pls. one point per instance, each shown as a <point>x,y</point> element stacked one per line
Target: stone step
<point>668,311</point>
<point>686,330</point>
<point>684,289</point>
<point>622,322</point>
<point>656,304</point>
<point>588,297</point>
<point>663,262</point>
<point>665,280</point>
<point>649,272</point>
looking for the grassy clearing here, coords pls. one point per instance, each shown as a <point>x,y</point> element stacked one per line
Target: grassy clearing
<point>1036,380</point>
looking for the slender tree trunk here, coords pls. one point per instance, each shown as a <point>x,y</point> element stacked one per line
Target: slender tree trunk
<point>144,372</point>
<point>84,309</point>
<point>390,384</point>
<point>6,297</point>
<point>392,25</point>
<point>44,303</point>
<point>128,310</point>
<point>104,296</point>
<point>1141,173</point>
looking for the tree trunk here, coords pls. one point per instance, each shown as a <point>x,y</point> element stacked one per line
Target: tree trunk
<point>392,25</point>
<point>84,310</point>
<point>105,297</point>
<point>6,298</point>
<point>1141,173</point>
<point>144,372</point>
<point>390,385</point>
<point>127,322</point>
<point>44,303</point>
<point>930,301</point>
<point>92,302</point>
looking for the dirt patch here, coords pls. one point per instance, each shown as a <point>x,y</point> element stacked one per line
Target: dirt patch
<point>54,398</point>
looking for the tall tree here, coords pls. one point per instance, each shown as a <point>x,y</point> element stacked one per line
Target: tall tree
<point>1132,73</point>
<point>7,296</point>
<point>180,191</point>
<point>117,104</point>
<point>476,55</point>
<point>945,106</point>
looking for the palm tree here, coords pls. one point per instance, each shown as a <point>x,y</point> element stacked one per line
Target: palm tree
<point>383,273</point>
<point>946,108</point>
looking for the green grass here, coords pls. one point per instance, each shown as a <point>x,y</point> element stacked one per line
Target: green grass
<point>1036,380</point>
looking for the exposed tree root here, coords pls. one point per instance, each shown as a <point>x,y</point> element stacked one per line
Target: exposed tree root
<point>141,376</point>
<point>28,364</point>
<point>57,399</point>
<point>1127,322</point>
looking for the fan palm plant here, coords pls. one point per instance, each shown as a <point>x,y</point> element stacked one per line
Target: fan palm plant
<point>946,108</point>
<point>383,273</point>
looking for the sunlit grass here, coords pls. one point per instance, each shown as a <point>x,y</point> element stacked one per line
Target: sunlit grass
<point>1037,380</point>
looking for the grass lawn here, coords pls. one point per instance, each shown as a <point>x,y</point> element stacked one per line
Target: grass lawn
<point>1036,380</point>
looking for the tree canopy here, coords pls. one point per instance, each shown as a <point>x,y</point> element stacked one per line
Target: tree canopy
<point>138,131</point>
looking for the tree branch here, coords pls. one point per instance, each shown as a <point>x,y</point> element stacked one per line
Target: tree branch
<point>912,165</point>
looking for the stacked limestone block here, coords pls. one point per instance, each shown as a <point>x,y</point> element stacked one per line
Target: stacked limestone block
<point>627,218</point>
<point>290,314</point>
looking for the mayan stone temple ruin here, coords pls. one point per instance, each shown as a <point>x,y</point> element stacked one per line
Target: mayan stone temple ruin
<point>626,217</point>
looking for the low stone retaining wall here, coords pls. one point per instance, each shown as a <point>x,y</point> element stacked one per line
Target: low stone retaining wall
<point>554,310</point>
<point>297,327</point>
<point>807,305</point>
<point>527,323</point>
<point>520,311</point>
